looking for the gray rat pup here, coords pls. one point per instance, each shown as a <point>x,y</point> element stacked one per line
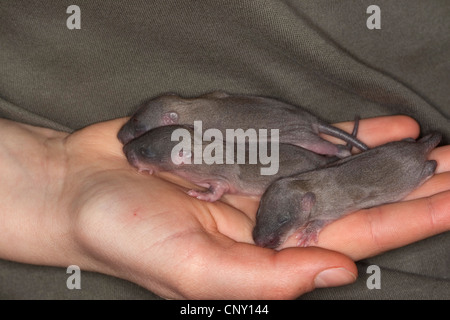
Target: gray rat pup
<point>223,111</point>
<point>310,200</point>
<point>153,151</point>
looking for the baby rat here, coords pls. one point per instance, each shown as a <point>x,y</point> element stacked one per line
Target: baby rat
<point>223,111</point>
<point>313,199</point>
<point>154,151</point>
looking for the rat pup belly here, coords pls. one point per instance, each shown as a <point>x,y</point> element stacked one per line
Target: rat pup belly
<point>310,200</point>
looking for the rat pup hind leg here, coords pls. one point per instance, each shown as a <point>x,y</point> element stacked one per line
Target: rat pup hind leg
<point>316,144</point>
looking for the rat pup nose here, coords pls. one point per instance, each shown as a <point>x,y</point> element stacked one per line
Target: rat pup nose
<point>271,241</point>
<point>131,130</point>
<point>126,134</point>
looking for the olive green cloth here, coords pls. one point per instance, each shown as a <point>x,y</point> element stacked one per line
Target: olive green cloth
<point>318,54</point>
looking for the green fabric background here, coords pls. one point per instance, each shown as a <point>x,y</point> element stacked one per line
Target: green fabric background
<point>318,54</point>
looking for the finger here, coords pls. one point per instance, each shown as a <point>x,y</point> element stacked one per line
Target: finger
<point>244,271</point>
<point>380,130</point>
<point>437,184</point>
<point>231,222</point>
<point>101,138</point>
<point>247,204</point>
<point>372,231</point>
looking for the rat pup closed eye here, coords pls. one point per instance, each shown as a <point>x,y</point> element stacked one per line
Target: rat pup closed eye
<point>308,201</point>
<point>223,111</point>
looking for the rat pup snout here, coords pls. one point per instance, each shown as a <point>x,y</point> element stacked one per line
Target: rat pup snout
<point>131,130</point>
<point>264,240</point>
<point>271,242</point>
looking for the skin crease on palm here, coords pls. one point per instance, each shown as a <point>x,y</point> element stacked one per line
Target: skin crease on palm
<point>74,199</point>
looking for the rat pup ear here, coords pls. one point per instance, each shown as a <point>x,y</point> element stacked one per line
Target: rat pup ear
<point>307,202</point>
<point>169,118</point>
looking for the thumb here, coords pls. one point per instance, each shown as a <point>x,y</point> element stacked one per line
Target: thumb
<point>258,273</point>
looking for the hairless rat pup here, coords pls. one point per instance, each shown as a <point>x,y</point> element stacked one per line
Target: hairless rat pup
<point>222,111</point>
<point>152,152</point>
<point>310,200</point>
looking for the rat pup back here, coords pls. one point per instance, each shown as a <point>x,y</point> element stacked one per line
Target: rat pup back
<point>310,200</point>
<point>222,111</point>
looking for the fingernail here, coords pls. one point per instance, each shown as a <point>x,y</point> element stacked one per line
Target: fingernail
<point>334,277</point>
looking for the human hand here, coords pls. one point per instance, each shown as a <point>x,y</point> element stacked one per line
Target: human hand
<point>74,199</point>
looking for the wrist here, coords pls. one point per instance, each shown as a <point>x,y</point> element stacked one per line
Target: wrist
<point>34,229</point>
